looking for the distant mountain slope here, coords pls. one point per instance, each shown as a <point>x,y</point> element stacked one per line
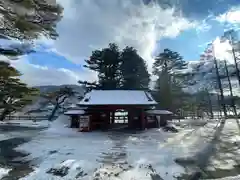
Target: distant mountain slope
<point>52,88</point>
<point>40,106</point>
<point>202,74</point>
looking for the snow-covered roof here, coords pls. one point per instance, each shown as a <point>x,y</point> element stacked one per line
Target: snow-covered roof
<point>73,112</point>
<point>155,111</point>
<point>72,106</point>
<point>75,107</point>
<point>117,97</point>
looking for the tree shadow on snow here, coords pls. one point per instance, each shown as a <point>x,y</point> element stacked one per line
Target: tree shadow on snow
<point>201,159</point>
<point>118,150</point>
<point>238,124</point>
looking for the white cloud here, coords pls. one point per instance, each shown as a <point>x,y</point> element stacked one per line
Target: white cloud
<point>204,26</point>
<point>41,75</point>
<point>89,24</point>
<point>231,16</point>
<point>223,50</point>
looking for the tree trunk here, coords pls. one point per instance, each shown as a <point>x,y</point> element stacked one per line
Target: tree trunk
<point>210,105</point>
<point>230,88</point>
<point>112,117</point>
<point>53,112</point>
<point>220,88</point>
<point>3,115</point>
<point>56,107</point>
<point>235,59</point>
<point>219,107</point>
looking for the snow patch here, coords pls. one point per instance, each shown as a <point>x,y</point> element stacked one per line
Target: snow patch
<point>235,139</point>
<point>132,138</point>
<point>4,172</point>
<point>60,125</point>
<point>228,178</point>
<point>4,137</point>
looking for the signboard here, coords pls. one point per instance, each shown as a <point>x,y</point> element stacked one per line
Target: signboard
<point>84,121</point>
<point>150,119</point>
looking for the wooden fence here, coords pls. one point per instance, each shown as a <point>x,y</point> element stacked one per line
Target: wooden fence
<point>27,117</point>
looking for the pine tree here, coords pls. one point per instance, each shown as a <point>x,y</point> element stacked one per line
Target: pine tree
<point>166,63</point>
<point>134,74</point>
<point>14,94</point>
<point>27,20</point>
<point>57,98</point>
<point>106,64</point>
<point>117,69</point>
<point>169,61</point>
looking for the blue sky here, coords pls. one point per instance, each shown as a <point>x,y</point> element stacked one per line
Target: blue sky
<point>189,43</point>
<point>87,25</point>
<point>52,60</point>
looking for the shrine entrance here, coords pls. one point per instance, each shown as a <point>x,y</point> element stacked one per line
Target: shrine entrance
<point>108,109</point>
<point>120,116</point>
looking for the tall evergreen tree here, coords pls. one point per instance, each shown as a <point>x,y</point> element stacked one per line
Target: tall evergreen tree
<point>106,64</point>
<point>230,89</point>
<point>220,87</point>
<point>215,81</point>
<point>232,37</point>
<point>169,61</point>
<point>166,63</point>
<point>117,69</point>
<point>134,74</point>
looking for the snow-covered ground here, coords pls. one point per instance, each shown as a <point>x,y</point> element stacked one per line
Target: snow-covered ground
<point>228,178</point>
<point>20,128</point>
<point>59,152</point>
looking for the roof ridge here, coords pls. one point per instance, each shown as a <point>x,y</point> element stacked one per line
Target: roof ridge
<point>116,90</point>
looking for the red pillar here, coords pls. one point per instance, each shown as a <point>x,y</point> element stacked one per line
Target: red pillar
<point>107,119</point>
<point>112,117</point>
<point>129,119</point>
<point>143,120</point>
<point>90,122</point>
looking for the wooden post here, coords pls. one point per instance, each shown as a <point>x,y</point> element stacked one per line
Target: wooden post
<point>71,123</point>
<point>112,117</point>
<point>90,122</point>
<point>107,119</point>
<point>143,120</point>
<point>158,119</point>
<point>129,119</point>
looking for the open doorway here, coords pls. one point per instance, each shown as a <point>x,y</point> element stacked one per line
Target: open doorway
<point>120,116</point>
